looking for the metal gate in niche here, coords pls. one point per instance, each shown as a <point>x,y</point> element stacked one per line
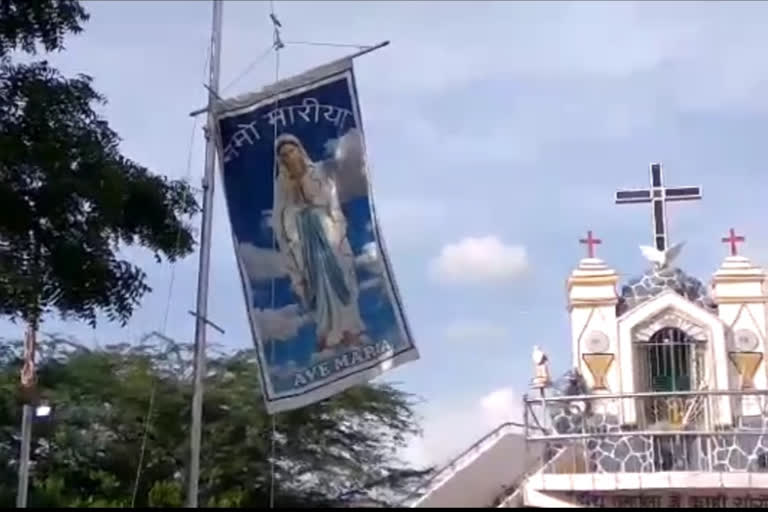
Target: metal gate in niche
<point>672,361</point>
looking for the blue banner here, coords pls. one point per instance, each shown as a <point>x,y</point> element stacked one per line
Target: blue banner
<point>322,301</point>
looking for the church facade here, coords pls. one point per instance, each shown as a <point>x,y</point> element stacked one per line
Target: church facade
<point>665,404</point>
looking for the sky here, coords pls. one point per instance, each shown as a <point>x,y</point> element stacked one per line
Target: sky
<point>497,133</point>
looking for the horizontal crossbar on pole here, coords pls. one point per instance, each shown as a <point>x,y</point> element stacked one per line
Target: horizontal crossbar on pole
<point>360,53</point>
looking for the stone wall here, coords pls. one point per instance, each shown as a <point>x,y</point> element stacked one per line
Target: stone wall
<point>605,454</point>
<point>737,451</point>
<point>745,452</point>
<point>655,281</point>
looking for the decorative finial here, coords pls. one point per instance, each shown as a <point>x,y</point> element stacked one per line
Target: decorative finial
<point>733,239</point>
<point>590,243</point>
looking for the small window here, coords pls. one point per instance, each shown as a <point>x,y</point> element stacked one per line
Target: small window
<point>669,360</point>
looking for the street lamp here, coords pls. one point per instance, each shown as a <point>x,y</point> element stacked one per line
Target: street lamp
<point>33,409</point>
<point>43,410</point>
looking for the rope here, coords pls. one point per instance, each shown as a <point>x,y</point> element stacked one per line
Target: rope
<point>250,67</point>
<point>278,45</point>
<point>164,325</point>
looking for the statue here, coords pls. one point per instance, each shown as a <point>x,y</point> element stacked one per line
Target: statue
<point>661,259</point>
<point>542,377</point>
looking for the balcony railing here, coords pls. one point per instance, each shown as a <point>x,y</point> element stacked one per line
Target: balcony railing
<point>711,431</point>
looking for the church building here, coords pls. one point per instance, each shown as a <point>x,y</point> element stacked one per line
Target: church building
<point>665,402</point>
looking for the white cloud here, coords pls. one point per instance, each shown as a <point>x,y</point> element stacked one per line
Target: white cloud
<point>369,258</point>
<point>261,263</point>
<point>368,284</point>
<point>501,406</point>
<point>348,165</point>
<point>348,150</point>
<point>479,260</point>
<point>278,324</point>
<point>472,331</point>
<point>447,433</point>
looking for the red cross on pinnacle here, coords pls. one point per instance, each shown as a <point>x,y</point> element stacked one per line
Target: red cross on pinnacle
<point>733,239</point>
<point>590,242</point>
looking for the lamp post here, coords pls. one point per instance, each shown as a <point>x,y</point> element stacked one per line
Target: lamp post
<point>29,413</point>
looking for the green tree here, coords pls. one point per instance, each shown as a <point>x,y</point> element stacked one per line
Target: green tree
<point>25,25</point>
<point>339,451</point>
<point>69,200</point>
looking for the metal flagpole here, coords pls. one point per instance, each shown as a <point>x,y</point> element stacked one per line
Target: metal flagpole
<point>205,260</point>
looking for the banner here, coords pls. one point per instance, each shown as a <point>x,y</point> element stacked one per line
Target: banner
<point>324,308</point>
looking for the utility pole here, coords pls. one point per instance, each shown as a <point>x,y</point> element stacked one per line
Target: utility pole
<point>201,313</point>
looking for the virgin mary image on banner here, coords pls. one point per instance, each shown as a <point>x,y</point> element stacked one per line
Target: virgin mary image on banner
<point>311,233</point>
<point>324,310</point>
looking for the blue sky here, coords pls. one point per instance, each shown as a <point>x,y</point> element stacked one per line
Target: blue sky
<point>497,133</point>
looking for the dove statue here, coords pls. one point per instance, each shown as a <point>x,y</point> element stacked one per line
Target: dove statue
<point>661,259</point>
<point>541,377</point>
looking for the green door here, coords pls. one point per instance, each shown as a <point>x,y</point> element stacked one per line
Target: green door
<point>670,367</point>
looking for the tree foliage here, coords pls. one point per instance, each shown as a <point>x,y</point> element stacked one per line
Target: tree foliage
<point>69,200</point>
<point>337,452</point>
<point>26,24</point>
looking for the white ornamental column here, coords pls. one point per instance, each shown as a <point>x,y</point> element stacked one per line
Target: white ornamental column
<point>739,289</point>
<point>592,303</point>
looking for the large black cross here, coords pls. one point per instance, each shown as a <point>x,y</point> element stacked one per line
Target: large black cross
<point>658,195</point>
